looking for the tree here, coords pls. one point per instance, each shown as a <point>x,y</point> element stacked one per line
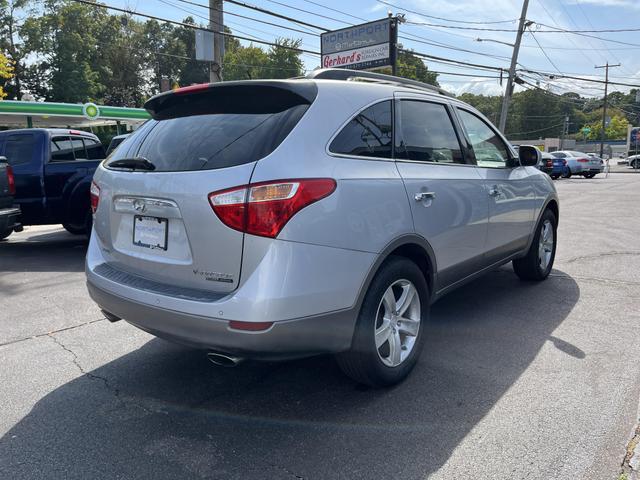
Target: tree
<point>410,66</point>
<point>246,63</point>
<point>10,42</point>
<point>284,62</point>
<point>6,72</point>
<point>616,130</point>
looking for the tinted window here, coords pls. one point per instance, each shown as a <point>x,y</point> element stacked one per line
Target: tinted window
<point>427,134</point>
<point>489,149</point>
<point>95,150</point>
<point>368,134</point>
<point>19,149</point>
<point>559,155</point>
<point>78,148</point>
<point>61,149</point>
<point>205,142</point>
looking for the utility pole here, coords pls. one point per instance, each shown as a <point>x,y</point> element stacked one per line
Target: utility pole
<point>604,110</point>
<point>216,24</point>
<point>565,130</point>
<point>512,68</point>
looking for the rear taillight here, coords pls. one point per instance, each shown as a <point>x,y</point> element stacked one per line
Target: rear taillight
<point>564,162</point>
<point>265,208</point>
<point>95,196</point>
<point>583,160</point>
<point>549,163</point>
<point>12,180</point>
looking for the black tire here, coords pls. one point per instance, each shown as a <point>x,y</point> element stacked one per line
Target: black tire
<point>80,229</point>
<point>529,267</point>
<point>589,175</point>
<point>5,233</point>
<point>363,362</point>
<point>554,177</point>
<point>567,174</point>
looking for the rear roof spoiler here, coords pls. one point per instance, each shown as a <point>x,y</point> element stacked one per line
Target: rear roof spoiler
<point>245,96</point>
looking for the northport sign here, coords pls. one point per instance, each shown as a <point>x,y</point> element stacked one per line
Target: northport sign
<point>361,47</point>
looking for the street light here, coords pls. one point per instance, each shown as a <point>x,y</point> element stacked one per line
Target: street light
<point>495,41</point>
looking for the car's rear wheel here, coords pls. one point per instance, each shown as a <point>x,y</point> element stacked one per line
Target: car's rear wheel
<point>389,333</point>
<point>554,177</point>
<point>538,262</point>
<point>589,175</point>
<point>80,229</point>
<point>567,174</point>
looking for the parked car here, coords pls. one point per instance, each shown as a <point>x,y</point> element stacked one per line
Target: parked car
<point>115,141</point>
<point>9,213</point>
<point>53,170</point>
<point>546,163</point>
<point>278,219</point>
<point>579,163</point>
<point>634,161</point>
<point>560,168</point>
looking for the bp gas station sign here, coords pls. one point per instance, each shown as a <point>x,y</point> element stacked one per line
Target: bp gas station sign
<point>361,47</point>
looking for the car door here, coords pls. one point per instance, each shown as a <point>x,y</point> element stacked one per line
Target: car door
<point>447,196</point>
<point>508,185</point>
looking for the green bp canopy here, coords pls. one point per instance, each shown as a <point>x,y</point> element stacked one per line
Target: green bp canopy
<point>21,114</point>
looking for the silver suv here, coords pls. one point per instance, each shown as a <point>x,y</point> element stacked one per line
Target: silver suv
<point>282,219</point>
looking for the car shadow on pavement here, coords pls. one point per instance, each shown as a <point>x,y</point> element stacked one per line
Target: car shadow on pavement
<point>57,251</point>
<point>163,411</point>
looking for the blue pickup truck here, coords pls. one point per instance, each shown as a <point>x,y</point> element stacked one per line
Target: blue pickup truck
<point>53,169</point>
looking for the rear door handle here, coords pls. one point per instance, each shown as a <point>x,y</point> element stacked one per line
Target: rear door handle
<point>424,196</point>
<point>494,191</point>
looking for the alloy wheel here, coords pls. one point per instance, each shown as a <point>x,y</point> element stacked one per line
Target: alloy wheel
<point>397,322</point>
<point>545,245</point>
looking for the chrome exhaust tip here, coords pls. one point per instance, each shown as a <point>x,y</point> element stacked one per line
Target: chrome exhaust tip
<point>223,360</point>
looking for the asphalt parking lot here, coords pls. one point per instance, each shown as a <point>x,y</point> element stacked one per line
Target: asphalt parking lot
<point>517,380</point>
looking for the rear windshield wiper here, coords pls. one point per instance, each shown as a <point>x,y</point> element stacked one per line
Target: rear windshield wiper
<point>137,163</point>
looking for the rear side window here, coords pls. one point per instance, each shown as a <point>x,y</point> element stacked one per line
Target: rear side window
<point>210,141</point>
<point>95,150</point>
<point>61,149</point>
<point>368,134</point>
<point>78,148</point>
<point>19,149</point>
<point>427,134</point>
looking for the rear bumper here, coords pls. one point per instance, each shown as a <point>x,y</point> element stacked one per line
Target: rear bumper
<point>309,292</point>
<point>327,333</point>
<point>9,218</point>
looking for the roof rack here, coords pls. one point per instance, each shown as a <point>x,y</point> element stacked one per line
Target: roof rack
<point>364,76</point>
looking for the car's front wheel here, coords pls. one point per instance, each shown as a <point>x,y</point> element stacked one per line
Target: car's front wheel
<point>537,264</point>
<point>389,331</point>
<point>5,233</point>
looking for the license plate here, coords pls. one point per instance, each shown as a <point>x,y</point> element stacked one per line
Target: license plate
<point>150,232</point>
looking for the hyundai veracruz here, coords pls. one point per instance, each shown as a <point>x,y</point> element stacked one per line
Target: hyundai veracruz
<point>287,218</point>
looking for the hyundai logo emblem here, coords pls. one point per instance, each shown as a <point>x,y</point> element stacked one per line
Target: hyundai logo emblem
<point>139,205</point>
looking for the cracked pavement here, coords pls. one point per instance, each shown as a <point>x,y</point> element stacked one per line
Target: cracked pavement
<point>516,381</point>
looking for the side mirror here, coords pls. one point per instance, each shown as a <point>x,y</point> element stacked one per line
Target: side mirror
<point>529,155</point>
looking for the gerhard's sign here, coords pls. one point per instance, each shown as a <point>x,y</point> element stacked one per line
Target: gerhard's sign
<point>361,47</point>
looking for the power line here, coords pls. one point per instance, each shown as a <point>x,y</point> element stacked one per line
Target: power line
<point>274,14</point>
<point>543,52</point>
<point>194,27</point>
<point>188,2</point>
<point>445,19</point>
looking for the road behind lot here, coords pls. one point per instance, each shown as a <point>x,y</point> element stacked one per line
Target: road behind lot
<point>516,381</point>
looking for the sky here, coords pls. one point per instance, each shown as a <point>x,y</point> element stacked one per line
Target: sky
<point>553,53</point>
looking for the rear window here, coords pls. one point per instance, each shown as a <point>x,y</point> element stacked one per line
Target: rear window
<point>210,141</point>
<point>19,149</point>
<point>559,155</point>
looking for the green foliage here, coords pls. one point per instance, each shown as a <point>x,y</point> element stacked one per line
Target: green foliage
<point>616,130</point>
<point>80,53</point>
<point>6,72</point>
<point>410,66</point>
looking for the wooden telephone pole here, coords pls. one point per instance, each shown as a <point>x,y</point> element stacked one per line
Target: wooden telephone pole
<point>604,109</point>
